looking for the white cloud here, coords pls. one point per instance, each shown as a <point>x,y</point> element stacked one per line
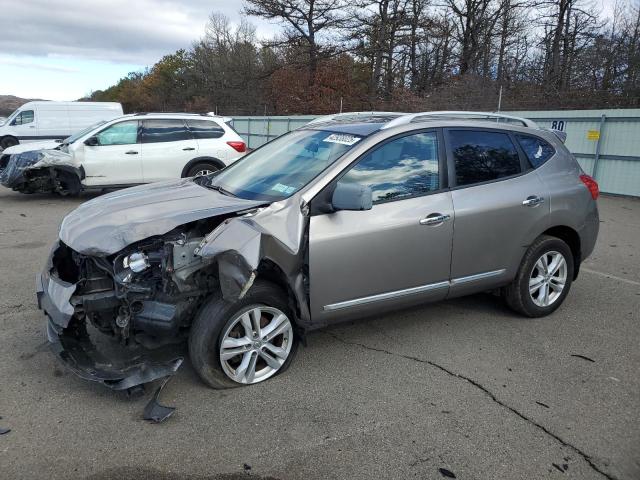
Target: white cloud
<point>122,31</point>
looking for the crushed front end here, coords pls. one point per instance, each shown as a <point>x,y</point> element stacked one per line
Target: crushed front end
<point>41,171</point>
<point>122,319</point>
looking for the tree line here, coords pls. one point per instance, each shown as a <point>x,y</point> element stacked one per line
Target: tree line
<point>405,55</point>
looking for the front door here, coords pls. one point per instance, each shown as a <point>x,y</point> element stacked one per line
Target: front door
<point>501,206</point>
<point>396,254</point>
<point>115,160</point>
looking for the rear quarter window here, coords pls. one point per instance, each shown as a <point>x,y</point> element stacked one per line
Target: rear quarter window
<point>205,129</point>
<point>535,149</point>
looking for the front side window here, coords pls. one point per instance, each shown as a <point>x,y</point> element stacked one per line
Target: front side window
<point>205,129</point>
<point>404,167</point>
<point>158,131</point>
<point>537,150</point>
<point>482,156</point>
<point>283,166</point>
<point>23,118</point>
<point>123,133</point>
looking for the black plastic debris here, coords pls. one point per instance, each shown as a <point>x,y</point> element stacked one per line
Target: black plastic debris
<point>446,473</point>
<point>154,411</point>
<point>583,357</point>
<point>543,404</point>
<point>247,466</point>
<point>4,430</point>
<point>562,468</point>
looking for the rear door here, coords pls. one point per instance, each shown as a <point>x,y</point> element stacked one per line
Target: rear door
<point>397,253</point>
<point>208,134</point>
<point>500,206</point>
<point>167,146</point>
<point>115,160</point>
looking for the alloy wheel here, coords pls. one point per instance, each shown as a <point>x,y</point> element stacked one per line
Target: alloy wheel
<point>548,278</point>
<point>256,344</point>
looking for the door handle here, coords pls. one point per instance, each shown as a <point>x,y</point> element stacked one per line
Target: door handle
<point>186,149</point>
<point>533,201</point>
<point>434,219</point>
<point>131,152</point>
<point>32,126</point>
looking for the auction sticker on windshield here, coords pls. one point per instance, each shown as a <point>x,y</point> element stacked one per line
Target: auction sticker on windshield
<point>342,139</point>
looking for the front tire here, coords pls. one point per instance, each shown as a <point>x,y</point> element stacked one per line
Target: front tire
<point>543,280</point>
<point>7,142</point>
<point>245,342</point>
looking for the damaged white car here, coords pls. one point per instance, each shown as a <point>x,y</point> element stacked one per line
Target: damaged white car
<point>128,150</point>
<point>345,218</point>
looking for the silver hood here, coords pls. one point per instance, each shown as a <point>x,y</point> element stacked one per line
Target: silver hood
<point>107,224</point>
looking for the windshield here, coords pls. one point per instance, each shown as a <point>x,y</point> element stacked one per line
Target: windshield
<point>283,166</point>
<point>84,131</point>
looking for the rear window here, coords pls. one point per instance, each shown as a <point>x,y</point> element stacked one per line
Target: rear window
<point>482,156</point>
<point>536,150</point>
<point>157,131</point>
<point>205,129</point>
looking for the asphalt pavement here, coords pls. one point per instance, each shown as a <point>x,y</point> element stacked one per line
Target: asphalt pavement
<point>460,389</point>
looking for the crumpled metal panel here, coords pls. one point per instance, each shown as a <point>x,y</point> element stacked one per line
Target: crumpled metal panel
<point>13,174</point>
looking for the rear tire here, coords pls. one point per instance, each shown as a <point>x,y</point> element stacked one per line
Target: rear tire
<point>7,142</point>
<point>203,168</point>
<point>219,320</point>
<point>543,280</point>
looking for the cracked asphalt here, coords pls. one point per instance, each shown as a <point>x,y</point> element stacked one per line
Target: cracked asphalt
<point>462,388</point>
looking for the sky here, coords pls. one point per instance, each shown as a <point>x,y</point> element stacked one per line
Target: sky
<point>64,49</point>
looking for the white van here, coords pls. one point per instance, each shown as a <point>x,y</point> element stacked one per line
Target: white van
<point>44,120</point>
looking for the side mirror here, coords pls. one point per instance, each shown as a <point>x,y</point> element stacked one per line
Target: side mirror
<point>92,141</point>
<point>352,196</point>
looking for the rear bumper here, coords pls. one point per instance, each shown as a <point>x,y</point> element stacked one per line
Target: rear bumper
<point>116,367</point>
<point>589,232</point>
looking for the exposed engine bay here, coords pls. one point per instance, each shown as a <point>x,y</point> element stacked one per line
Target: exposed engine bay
<point>145,294</point>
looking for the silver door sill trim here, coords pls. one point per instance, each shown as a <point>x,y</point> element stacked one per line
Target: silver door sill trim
<point>477,276</point>
<point>385,296</point>
<point>411,291</point>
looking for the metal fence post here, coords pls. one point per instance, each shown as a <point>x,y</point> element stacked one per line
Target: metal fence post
<point>594,171</point>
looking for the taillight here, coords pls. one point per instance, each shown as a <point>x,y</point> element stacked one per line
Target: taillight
<point>238,146</point>
<point>591,184</point>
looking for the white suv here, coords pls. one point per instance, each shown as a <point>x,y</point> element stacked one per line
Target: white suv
<point>131,149</point>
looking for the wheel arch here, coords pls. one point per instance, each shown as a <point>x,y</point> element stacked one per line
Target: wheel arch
<point>572,239</point>
<point>212,160</point>
<point>270,271</point>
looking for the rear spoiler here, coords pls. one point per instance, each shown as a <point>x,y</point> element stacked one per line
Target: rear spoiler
<point>558,133</point>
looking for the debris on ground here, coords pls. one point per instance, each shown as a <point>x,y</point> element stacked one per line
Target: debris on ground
<point>154,411</point>
<point>446,473</point>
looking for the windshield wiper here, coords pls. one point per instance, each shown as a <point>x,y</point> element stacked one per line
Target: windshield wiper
<point>218,188</point>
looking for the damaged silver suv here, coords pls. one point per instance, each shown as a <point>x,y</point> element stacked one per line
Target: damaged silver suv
<point>350,216</point>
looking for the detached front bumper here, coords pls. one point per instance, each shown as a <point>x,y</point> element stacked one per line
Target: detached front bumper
<point>120,369</point>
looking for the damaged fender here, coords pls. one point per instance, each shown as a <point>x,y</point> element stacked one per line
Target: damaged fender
<point>276,233</point>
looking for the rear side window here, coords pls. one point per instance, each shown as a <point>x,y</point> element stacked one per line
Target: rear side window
<point>481,156</point>
<point>158,131</point>
<point>404,167</point>
<point>205,129</point>
<point>23,118</point>
<point>536,150</point>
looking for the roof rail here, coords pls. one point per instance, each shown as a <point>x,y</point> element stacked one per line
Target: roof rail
<point>352,116</point>
<point>458,115</point>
